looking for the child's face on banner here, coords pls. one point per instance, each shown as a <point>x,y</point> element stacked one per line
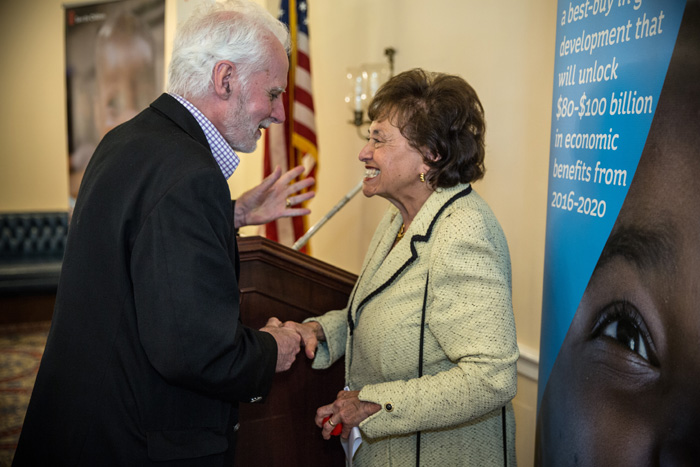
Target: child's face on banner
<point>625,389</point>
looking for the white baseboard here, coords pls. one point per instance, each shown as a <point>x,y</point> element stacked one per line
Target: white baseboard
<point>529,362</point>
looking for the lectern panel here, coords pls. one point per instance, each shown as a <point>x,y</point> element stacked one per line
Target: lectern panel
<point>278,281</point>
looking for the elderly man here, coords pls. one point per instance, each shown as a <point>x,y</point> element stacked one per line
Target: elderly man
<point>147,359</point>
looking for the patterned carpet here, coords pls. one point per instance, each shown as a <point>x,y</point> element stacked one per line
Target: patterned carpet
<point>21,348</point>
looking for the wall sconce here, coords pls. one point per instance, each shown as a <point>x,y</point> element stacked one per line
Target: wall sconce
<point>363,82</point>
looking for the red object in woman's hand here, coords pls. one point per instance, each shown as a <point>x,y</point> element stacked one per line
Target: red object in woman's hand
<point>337,429</point>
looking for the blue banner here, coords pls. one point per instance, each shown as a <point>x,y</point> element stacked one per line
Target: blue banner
<point>619,322</point>
<point>611,60</point>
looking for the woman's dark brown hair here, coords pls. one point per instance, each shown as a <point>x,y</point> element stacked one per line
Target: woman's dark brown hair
<point>438,114</point>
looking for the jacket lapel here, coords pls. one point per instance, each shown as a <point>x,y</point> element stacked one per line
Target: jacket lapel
<point>385,264</point>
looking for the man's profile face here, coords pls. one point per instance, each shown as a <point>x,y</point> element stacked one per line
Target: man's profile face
<point>625,387</point>
<point>260,102</point>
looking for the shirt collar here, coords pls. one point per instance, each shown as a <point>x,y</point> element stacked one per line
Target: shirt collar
<point>223,154</point>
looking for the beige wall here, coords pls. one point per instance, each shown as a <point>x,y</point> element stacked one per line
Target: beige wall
<point>503,48</point>
<point>33,163</point>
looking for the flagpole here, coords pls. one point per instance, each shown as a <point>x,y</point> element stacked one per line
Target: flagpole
<point>314,228</point>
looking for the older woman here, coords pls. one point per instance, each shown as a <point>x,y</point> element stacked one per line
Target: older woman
<point>428,334</point>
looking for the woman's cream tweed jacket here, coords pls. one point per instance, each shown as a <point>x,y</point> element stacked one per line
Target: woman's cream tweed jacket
<point>470,349</point>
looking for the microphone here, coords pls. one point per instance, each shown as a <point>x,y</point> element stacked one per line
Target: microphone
<point>314,228</point>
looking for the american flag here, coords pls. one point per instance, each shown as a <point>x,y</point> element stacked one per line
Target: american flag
<point>294,142</point>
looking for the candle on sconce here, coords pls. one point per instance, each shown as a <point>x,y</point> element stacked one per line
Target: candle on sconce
<point>356,86</point>
<point>359,95</point>
<point>377,75</point>
<point>363,83</point>
<point>373,82</point>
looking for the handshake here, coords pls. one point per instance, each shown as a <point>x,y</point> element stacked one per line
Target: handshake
<point>347,411</point>
<point>290,337</point>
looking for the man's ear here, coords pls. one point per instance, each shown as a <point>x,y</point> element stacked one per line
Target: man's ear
<point>223,78</point>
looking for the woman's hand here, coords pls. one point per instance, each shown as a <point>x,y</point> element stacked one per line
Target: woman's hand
<point>347,409</point>
<point>311,334</point>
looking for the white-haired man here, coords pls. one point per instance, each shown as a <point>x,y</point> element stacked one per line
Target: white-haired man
<point>147,359</point>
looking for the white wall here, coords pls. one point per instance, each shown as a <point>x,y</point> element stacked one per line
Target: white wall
<point>505,49</point>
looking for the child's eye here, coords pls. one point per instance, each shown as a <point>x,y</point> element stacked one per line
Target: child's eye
<point>621,322</point>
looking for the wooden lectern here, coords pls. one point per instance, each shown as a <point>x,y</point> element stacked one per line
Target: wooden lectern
<point>281,282</point>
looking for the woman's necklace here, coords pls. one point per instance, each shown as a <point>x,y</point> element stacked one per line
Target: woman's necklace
<point>399,235</point>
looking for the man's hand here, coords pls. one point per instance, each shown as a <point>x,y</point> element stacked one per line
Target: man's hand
<point>273,198</point>
<point>288,343</point>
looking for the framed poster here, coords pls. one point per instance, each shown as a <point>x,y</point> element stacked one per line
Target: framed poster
<point>114,69</point>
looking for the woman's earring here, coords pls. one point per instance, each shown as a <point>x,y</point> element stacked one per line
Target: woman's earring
<point>422,177</point>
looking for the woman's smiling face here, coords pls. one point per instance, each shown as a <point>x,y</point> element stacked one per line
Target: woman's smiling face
<point>392,165</point>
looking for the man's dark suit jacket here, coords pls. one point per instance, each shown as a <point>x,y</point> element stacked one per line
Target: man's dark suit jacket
<point>147,359</point>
